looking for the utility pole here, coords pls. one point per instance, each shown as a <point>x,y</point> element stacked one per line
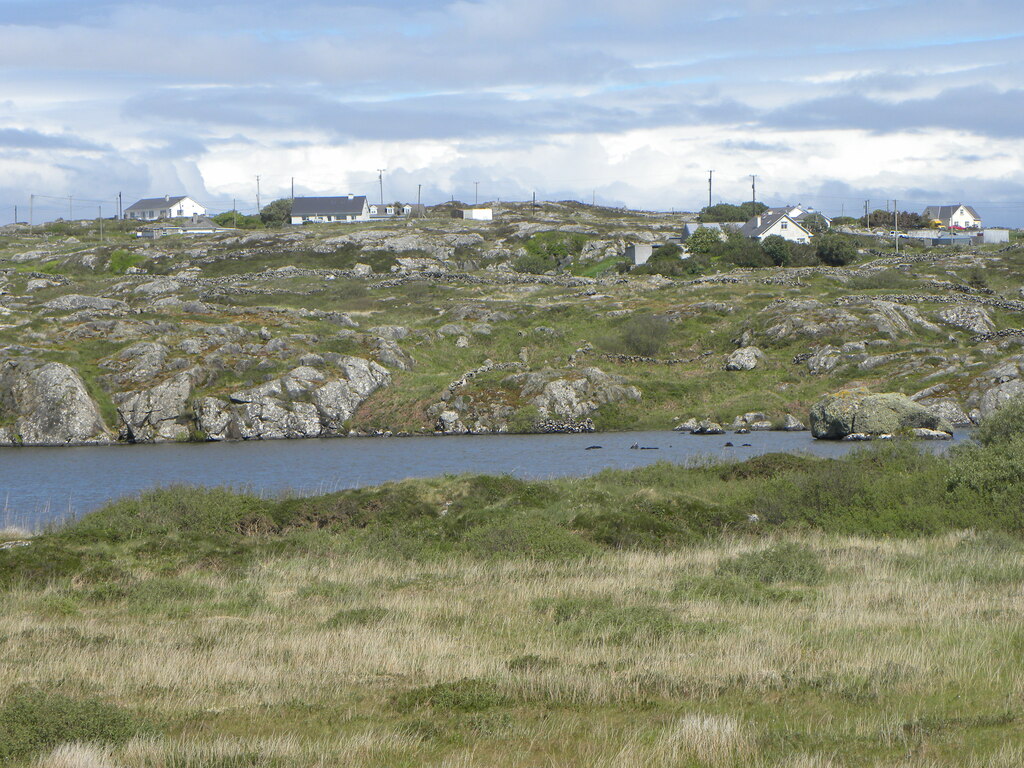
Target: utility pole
<point>257,195</point>
<point>15,214</point>
<point>896,225</point>
<point>120,212</point>
<point>476,193</point>
<point>710,175</point>
<point>293,189</point>
<point>71,208</point>
<point>380,178</point>
<point>535,200</point>
<point>867,221</point>
<point>753,192</point>
<point>419,195</point>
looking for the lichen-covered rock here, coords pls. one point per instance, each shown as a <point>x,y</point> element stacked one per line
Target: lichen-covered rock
<point>306,402</point>
<point>948,409</point>
<point>999,395</point>
<point>973,319</point>
<point>574,396</point>
<point>48,405</point>
<point>73,302</point>
<point>824,360</point>
<point>708,427</point>
<point>858,411</point>
<point>158,414</point>
<point>744,359</point>
<point>791,423</point>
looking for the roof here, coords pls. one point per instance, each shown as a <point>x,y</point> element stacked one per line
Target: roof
<point>945,212</point>
<point>329,206</point>
<point>149,203</point>
<point>768,220</point>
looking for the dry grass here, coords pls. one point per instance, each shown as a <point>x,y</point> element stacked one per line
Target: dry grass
<point>907,655</point>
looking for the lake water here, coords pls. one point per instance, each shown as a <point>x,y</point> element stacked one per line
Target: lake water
<point>38,485</point>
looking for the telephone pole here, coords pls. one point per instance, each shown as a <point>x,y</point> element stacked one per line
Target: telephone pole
<point>476,193</point>
<point>257,195</point>
<point>380,178</point>
<point>120,212</point>
<point>896,225</point>
<point>867,221</point>
<point>99,211</point>
<point>710,175</point>
<point>419,195</point>
<point>753,193</point>
<point>234,211</point>
<point>71,207</point>
<point>293,189</point>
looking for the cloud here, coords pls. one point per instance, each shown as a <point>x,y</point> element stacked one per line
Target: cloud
<point>13,138</point>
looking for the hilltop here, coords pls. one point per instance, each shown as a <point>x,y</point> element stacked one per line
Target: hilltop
<point>529,323</point>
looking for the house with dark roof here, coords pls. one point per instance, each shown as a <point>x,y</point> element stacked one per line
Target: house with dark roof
<point>322,210</point>
<point>802,215</point>
<point>166,207</point>
<point>776,222</point>
<point>957,216</point>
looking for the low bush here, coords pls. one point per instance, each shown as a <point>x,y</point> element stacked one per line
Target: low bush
<point>598,620</point>
<point>530,536</point>
<point>633,530</point>
<point>34,721</point>
<point>38,565</point>
<point>733,588</point>
<point>467,695</point>
<point>644,335</point>
<point>785,562</point>
<point>357,617</point>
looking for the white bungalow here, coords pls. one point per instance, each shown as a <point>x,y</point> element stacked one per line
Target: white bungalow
<point>166,207</point>
<point>776,222</point>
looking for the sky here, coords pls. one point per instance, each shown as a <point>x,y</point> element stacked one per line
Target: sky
<point>623,103</point>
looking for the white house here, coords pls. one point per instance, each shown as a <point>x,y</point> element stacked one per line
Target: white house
<point>321,210</point>
<point>959,215</point>
<point>478,214</point>
<point>800,214</point>
<point>776,222</point>
<point>166,207</point>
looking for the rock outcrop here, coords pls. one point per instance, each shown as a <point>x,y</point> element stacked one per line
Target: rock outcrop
<point>575,396</point>
<point>858,411</point>
<point>47,404</point>
<point>159,414</point>
<point>744,359</point>
<point>306,402</point>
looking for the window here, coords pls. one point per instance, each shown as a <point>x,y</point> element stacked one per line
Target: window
<point>785,225</point>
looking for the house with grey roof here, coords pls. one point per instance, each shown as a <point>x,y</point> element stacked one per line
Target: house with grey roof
<point>776,222</point>
<point>166,207</point>
<point>322,210</point>
<point>803,215</point>
<point>958,216</point>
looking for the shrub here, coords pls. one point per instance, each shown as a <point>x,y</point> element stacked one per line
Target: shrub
<point>1002,426</point>
<point>37,565</point>
<point>33,721</point>
<point>644,335</point>
<point>834,249</point>
<point>703,240</point>
<point>785,562</point>
<point>467,695</point>
<point>732,588</point>
<point>777,250</point>
<point>534,263</point>
<point>632,530</point>
<point>598,620</point>
<point>533,536</point>
<point>357,617</point>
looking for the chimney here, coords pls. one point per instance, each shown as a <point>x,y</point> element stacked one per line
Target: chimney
<point>351,197</point>
<point>758,222</point>
<point>167,198</point>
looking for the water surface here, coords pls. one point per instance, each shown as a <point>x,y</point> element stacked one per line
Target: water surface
<point>38,485</point>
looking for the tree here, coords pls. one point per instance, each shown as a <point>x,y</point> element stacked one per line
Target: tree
<point>277,213</point>
<point>815,223</point>
<point>777,249</point>
<point>834,249</point>
<point>726,212</point>
<point>703,240</point>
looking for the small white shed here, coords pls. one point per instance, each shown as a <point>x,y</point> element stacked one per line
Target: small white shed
<point>639,253</point>
<point>478,214</point>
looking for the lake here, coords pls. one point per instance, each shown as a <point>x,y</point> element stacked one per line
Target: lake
<point>40,485</point>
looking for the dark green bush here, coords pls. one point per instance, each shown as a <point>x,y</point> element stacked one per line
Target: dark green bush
<point>38,565</point>
<point>644,335</point>
<point>597,620</point>
<point>357,617</point>
<point>528,536</point>
<point>784,562</point>
<point>834,249</point>
<point>467,695</point>
<point>33,721</point>
<point>633,530</point>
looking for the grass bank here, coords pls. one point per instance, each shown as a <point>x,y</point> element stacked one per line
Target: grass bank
<point>784,611</point>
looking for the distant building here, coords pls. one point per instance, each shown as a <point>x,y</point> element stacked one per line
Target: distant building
<point>722,228</point>
<point>776,222</point>
<point>323,210</point>
<point>957,216</point>
<point>196,225</point>
<point>478,214</point>
<point>801,215</point>
<point>995,236</point>
<point>639,253</point>
<point>166,207</point>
